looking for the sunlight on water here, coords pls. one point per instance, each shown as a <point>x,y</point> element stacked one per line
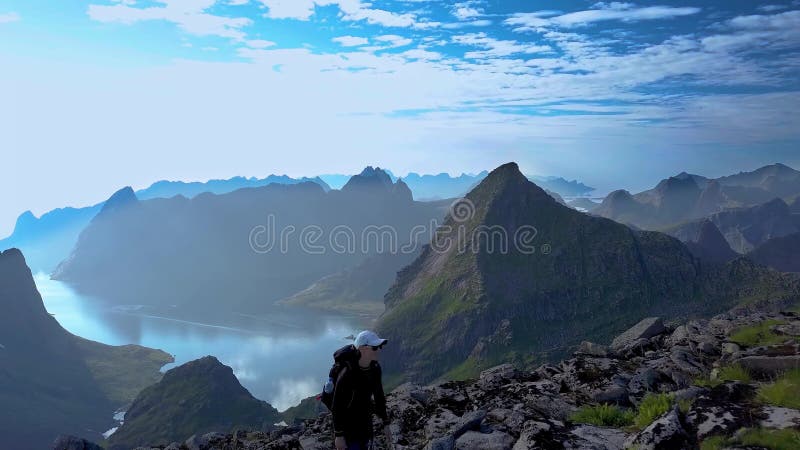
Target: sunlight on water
<point>280,358</point>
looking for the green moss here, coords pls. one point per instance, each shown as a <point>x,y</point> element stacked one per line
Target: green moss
<point>651,408</point>
<point>783,392</point>
<point>714,443</point>
<point>787,439</point>
<point>603,415</point>
<point>758,334</point>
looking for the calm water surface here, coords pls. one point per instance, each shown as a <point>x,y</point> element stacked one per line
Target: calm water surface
<point>281,356</point>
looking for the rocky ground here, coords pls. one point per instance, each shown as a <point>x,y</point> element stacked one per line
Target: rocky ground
<point>711,384</point>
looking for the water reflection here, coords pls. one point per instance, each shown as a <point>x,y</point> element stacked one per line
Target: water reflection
<point>281,356</point>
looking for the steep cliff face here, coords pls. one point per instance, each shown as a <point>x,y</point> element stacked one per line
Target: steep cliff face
<point>52,382</point>
<point>465,306</point>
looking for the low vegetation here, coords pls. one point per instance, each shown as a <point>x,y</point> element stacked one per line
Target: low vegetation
<point>758,334</point>
<point>733,372</point>
<point>785,391</point>
<point>604,415</point>
<point>787,439</point>
<point>651,408</point>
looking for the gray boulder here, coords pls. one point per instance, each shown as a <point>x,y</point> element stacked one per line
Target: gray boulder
<point>666,433</point>
<point>645,329</point>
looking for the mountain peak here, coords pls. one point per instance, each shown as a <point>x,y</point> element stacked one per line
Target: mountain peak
<point>374,180</point>
<point>12,256</point>
<point>120,199</point>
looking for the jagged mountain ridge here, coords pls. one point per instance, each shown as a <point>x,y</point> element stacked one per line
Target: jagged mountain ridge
<point>687,197</point>
<point>451,312</point>
<point>160,249</point>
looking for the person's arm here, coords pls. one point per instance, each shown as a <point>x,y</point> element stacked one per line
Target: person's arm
<point>380,397</point>
<point>342,394</point>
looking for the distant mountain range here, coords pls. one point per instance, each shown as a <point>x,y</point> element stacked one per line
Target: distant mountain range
<point>746,228</point>
<point>452,312</point>
<point>205,250</point>
<point>687,197</point>
<point>48,239</point>
<point>52,382</point>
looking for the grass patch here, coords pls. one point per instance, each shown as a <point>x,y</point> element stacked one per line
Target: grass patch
<point>651,408</point>
<point>787,439</point>
<point>733,372</point>
<point>758,334</point>
<point>603,415</point>
<point>714,443</point>
<point>783,392</point>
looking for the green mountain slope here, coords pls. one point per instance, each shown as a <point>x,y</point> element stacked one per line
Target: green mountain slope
<point>195,398</point>
<point>455,310</point>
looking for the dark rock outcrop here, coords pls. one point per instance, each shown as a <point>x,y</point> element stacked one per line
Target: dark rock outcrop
<point>195,398</point>
<point>515,408</point>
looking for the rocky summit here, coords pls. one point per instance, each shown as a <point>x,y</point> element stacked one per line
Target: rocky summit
<point>731,381</point>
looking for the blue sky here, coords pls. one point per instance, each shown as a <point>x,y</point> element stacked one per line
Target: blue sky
<point>106,93</point>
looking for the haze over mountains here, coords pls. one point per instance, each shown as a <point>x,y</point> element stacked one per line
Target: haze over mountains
<point>686,197</point>
<point>48,239</point>
<point>227,249</point>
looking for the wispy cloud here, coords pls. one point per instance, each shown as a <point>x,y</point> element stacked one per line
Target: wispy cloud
<point>625,12</point>
<point>189,15</point>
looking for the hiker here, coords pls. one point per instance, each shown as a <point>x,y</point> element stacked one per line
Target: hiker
<point>352,406</point>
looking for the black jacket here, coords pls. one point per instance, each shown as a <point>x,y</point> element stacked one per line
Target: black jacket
<point>353,403</point>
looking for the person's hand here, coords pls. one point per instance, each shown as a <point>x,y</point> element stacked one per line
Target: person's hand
<point>340,443</point>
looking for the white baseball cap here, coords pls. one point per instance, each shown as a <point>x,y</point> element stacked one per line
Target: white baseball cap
<point>368,337</point>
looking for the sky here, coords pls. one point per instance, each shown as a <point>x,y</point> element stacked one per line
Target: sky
<point>100,94</point>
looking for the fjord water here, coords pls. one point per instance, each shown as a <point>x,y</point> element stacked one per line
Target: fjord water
<point>280,356</point>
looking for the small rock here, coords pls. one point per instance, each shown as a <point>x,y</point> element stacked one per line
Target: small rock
<point>730,348</point>
<point>592,349</point>
<point>778,417</point>
<point>474,440</point>
<point>600,438</point>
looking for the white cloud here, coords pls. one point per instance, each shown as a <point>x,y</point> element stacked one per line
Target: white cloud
<point>495,47</point>
<point>10,17</point>
<point>350,41</point>
<point>466,10</point>
<point>626,12</point>
<point>789,20</point>
<point>419,53</point>
<point>189,15</point>
<point>394,40</point>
